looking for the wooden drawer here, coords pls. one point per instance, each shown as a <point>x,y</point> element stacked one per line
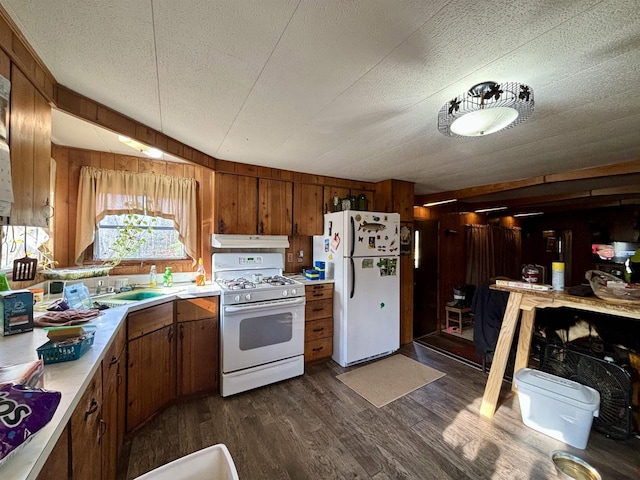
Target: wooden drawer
<point>196,309</point>
<point>318,309</point>
<point>318,349</point>
<point>318,329</point>
<point>316,292</point>
<point>149,320</point>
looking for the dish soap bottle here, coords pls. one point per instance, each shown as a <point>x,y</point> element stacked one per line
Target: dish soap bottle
<point>201,275</point>
<point>167,279</point>
<point>153,277</point>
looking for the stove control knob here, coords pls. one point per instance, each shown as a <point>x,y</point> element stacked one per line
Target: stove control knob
<point>293,291</point>
<point>236,298</point>
<point>285,293</point>
<point>247,297</point>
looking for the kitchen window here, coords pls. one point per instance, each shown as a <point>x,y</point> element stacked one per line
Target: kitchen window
<point>159,238</point>
<point>18,241</point>
<point>166,204</point>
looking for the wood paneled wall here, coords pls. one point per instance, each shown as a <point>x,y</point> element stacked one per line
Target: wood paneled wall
<point>68,164</point>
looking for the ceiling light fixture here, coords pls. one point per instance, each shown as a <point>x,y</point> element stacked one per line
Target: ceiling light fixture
<point>487,107</point>
<point>492,209</point>
<point>142,148</point>
<point>441,202</point>
<point>528,214</point>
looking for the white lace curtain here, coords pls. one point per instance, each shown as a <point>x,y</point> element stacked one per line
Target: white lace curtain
<point>112,192</point>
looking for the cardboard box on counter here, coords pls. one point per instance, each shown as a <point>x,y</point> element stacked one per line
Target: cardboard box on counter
<point>16,312</point>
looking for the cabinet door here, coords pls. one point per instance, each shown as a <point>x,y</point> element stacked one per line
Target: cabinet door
<point>307,209</point>
<point>57,464</point>
<point>111,366</point>
<point>198,356</point>
<point>236,204</point>
<point>150,375</point>
<point>30,143</point>
<point>275,207</point>
<point>86,430</point>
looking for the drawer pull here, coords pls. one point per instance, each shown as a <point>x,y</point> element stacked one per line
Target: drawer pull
<point>93,407</point>
<point>113,361</point>
<point>318,329</point>
<point>317,349</point>
<point>318,294</point>
<point>317,309</point>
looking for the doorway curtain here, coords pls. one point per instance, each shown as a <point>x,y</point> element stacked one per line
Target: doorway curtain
<point>492,251</point>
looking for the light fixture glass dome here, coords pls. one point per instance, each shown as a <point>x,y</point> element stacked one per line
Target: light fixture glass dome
<point>486,108</point>
<point>483,122</point>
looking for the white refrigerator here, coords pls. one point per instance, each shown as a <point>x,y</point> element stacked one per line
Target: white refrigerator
<point>361,253</point>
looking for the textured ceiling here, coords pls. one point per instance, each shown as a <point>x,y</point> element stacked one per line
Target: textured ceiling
<point>352,88</point>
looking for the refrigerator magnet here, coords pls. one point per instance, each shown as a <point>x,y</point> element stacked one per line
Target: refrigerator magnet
<point>367,263</point>
<point>372,242</point>
<point>335,242</point>
<point>326,245</point>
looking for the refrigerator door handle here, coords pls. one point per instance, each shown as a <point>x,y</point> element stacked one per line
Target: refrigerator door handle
<point>353,277</point>
<point>353,238</point>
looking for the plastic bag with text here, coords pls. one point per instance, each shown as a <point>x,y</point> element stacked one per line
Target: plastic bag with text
<point>23,412</point>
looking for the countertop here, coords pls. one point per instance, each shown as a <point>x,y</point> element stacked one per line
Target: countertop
<point>72,378</point>
<point>306,281</point>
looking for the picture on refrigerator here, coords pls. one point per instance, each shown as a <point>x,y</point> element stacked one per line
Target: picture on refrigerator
<point>360,250</point>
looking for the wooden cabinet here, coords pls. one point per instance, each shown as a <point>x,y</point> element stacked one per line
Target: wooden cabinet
<point>57,465</point>
<point>113,414</point>
<point>30,143</point>
<point>87,429</point>
<point>318,329</point>
<point>275,207</point>
<point>236,204</point>
<point>151,376</point>
<point>307,209</point>
<point>197,361</point>
<point>248,205</point>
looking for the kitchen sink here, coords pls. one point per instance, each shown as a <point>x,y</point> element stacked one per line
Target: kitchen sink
<point>137,296</point>
<point>125,298</point>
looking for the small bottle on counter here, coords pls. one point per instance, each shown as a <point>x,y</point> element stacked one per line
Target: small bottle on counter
<point>557,275</point>
<point>167,279</point>
<point>201,275</point>
<point>153,277</point>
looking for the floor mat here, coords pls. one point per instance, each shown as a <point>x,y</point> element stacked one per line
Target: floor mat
<point>386,380</point>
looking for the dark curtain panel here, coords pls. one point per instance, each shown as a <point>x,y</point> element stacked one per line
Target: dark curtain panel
<point>507,246</point>
<point>480,259</point>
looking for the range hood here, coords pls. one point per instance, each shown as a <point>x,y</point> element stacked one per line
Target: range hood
<point>223,240</point>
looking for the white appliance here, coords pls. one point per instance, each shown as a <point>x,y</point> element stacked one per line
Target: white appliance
<point>361,253</point>
<point>261,321</point>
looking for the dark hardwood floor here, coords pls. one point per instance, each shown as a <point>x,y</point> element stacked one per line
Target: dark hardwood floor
<point>315,427</point>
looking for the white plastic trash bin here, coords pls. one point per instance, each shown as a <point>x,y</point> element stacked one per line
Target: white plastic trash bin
<point>211,463</point>
<point>555,406</point>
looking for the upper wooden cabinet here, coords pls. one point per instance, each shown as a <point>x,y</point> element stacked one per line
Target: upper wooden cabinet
<point>307,209</point>
<point>248,205</point>
<point>30,144</point>
<point>275,207</point>
<point>236,204</point>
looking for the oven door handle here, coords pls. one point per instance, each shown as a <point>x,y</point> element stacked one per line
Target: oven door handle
<point>263,306</point>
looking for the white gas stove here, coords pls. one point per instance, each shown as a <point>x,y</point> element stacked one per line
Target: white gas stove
<point>261,321</point>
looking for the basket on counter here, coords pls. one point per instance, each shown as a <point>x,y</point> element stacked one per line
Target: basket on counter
<point>611,289</point>
<point>64,351</point>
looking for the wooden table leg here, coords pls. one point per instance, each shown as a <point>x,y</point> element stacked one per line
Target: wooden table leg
<point>524,342</point>
<point>501,355</point>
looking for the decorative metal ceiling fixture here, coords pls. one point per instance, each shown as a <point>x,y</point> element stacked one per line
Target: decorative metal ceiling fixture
<point>486,108</point>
